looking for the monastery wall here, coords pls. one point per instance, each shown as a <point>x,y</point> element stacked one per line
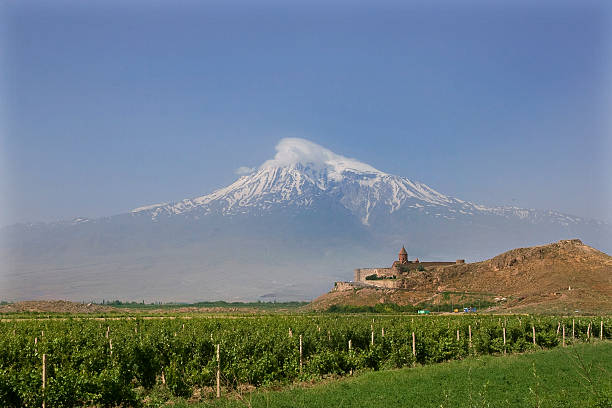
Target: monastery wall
<point>361,273</point>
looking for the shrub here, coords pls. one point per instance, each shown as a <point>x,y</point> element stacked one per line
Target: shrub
<point>175,380</point>
<point>112,389</point>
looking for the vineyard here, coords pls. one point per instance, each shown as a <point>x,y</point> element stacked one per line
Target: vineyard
<point>108,362</point>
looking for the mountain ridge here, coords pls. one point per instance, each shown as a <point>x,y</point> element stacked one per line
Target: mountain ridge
<point>360,188</point>
<point>303,170</point>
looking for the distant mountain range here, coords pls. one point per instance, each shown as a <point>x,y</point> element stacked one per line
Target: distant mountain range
<point>287,230</point>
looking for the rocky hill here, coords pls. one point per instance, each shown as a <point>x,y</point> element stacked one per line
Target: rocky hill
<point>560,277</point>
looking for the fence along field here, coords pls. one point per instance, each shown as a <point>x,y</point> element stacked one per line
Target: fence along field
<point>63,363</point>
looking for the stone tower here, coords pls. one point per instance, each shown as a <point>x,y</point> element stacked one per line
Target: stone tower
<point>403,256</point>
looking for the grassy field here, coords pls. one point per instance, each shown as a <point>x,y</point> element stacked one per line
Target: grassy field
<point>579,376</point>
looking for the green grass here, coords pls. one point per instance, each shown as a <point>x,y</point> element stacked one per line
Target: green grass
<point>579,376</point>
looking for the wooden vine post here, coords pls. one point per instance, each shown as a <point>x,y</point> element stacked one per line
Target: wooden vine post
<point>218,372</point>
<point>573,329</point>
<point>470,334</point>
<point>413,345</point>
<point>44,377</point>
<point>300,354</point>
<point>601,330</point>
<point>589,331</point>
<point>534,336</point>
<point>504,331</point>
<point>350,346</point>
<point>563,335</point>
<point>457,334</point>
<point>372,337</point>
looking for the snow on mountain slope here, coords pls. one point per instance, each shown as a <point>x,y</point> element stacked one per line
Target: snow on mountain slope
<point>303,172</point>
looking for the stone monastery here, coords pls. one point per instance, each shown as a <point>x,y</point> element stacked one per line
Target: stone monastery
<point>392,277</point>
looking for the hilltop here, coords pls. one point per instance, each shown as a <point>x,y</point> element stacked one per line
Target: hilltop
<point>560,277</point>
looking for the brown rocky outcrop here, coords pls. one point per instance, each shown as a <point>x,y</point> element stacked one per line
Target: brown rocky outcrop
<point>560,277</point>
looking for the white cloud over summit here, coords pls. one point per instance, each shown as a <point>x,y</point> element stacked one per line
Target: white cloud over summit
<point>291,151</point>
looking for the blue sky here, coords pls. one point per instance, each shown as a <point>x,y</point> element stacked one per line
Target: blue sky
<point>113,106</point>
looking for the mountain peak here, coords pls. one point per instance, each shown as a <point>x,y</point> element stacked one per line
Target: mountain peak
<point>303,175</point>
<point>295,152</point>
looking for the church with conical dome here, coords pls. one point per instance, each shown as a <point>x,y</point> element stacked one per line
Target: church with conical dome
<point>401,268</point>
<point>403,258</point>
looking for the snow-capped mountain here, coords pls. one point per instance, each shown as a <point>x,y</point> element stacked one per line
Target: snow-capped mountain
<point>302,172</point>
<point>291,227</point>
<point>300,185</point>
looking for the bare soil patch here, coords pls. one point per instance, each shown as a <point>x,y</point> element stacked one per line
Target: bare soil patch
<point>54,306</point>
